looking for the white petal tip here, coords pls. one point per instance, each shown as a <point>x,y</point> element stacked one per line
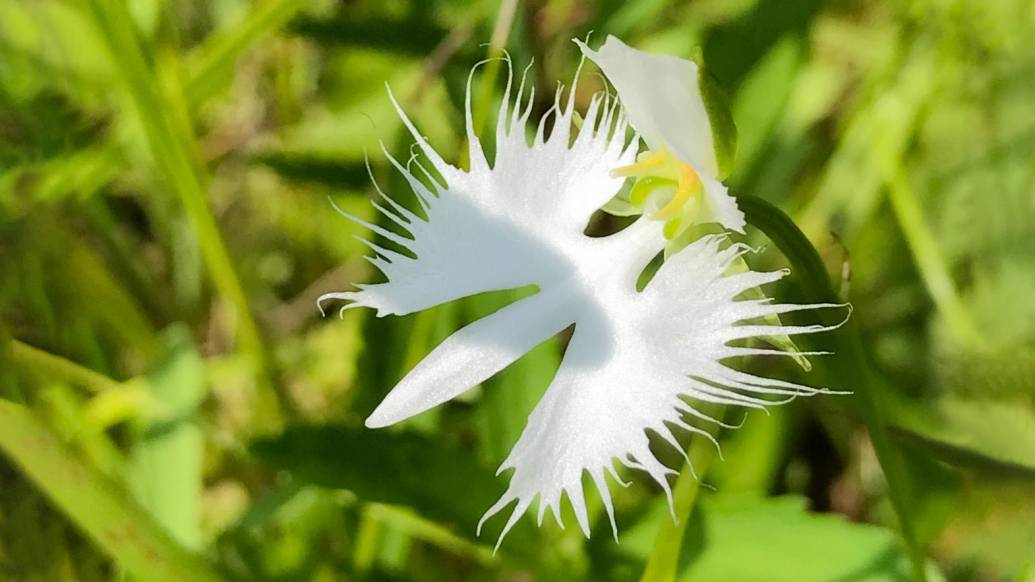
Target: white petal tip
<point>378,419</point>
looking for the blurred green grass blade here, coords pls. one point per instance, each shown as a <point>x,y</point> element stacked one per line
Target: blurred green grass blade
<point>103,510</point>
<point>850,358</point>
<point>929,260</point>
<point>61,407</point>
<point>430,532</point>
<point>314,168</point>
<point>49,366</point>
<point>756,452</point>
<point>166,462</point>
<point>175,153</point>
<point>762,101</point>
<point>416,37</point>
<point>995,437</point>
<point>876,136</point>
<point>779,540</point>
<point>211,62</point>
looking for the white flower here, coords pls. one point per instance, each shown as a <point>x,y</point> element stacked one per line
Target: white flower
<point>667,102</point>
<point>636,361</point>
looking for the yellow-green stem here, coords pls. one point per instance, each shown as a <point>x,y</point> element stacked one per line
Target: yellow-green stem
<point>663,562</point>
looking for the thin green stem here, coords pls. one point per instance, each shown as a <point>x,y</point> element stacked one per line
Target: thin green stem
<point>497,44</point>
<point>850,358</point>
<point>663,562</point>
<point>428,531</point>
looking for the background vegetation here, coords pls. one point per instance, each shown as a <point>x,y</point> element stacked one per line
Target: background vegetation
<point>174,408</point>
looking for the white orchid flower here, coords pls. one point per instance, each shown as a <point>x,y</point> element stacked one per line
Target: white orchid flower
<point>637,361</point>
<point>673,106</point>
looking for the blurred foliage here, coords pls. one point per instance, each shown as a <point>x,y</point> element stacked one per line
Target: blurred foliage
<point>173,407</point>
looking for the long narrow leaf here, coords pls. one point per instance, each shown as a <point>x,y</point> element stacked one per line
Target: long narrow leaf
<point>101,508</point>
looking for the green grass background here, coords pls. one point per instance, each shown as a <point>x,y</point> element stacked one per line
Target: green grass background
<point>173,407</point>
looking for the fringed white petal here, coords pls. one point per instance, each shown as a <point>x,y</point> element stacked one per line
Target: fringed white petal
<point>502,226</point>
<point>636,365</point>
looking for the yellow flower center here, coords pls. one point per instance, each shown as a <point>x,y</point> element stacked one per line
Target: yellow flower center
<point>659,170</point>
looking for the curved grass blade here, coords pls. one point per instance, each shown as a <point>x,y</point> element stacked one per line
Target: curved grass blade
<point>850,360</point>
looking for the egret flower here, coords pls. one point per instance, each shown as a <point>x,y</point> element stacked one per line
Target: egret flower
<point>637,361</point>
<point>672,104</point>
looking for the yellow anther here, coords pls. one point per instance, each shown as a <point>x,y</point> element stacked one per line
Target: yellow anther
<point>685,185</point>
<point>642,167</point>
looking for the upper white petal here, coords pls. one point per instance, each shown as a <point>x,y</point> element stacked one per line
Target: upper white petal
<point>662,98</point>
<point>514,223</point>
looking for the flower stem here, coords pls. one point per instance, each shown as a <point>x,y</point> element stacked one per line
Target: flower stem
<point>663,562</point>
<point>850,358</point>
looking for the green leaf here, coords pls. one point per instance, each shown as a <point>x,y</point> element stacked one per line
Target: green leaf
<point>166,471</point>
<point>776,539</point>
<point>213,60</point>
<point>156,89</point>
<point>762,99</point>
<point>442,483</point>
<point>100,507</point>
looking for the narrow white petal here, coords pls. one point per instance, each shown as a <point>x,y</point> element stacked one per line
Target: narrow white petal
<point>473,354</point>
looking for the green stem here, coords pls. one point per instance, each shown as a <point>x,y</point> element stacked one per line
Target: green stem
<point>663,562</point>
<point>102,509</point>
<point>850,357</point>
